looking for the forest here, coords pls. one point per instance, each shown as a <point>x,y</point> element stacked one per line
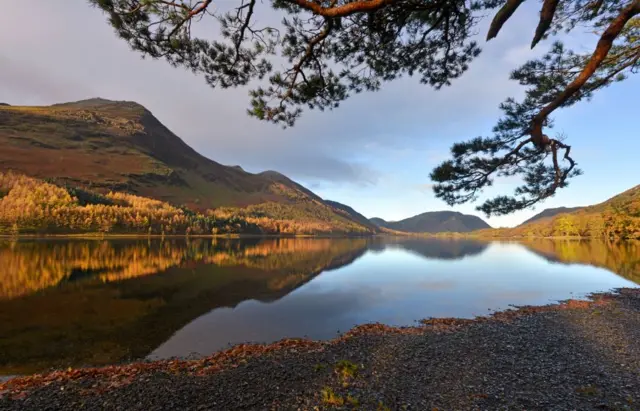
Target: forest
<point>33,206</point>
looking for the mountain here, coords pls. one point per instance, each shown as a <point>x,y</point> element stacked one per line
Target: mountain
<point>102,145</point>
<point>353,214</point>
<point>550,212</point>
<point>618,217</point>
<point>435,222</point>
<point>379,222</point>
<point>120,145</point>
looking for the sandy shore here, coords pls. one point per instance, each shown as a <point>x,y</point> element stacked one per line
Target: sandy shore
<point>573,355</point>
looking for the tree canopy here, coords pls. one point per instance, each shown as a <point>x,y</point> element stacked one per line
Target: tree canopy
<point>335,48</point>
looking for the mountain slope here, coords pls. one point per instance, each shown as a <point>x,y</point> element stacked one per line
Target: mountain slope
<point>379,222</point>
<point>618,217</point>
<point>104,145</point>
<point>551,212</point>
<point>120,145</point>
<point>435,222</point>
<point>353,214</point>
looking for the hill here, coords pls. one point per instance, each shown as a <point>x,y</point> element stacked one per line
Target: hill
<point>101,145</point>
<point>379,222</point>
<point>353,214</point>
<point>435,222</point>
<point>618,217</point>
<point>550,212</point>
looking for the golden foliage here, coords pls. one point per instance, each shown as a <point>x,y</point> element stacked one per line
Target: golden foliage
<point>618,217</point>
<point>32,206</point>
<point>308,217</point>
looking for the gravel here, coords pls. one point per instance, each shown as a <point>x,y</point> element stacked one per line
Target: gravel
<point>586,357</point>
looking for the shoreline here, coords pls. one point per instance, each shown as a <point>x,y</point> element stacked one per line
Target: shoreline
<point>453,236</point>
<point>95,236</point>
<point>241,362</point>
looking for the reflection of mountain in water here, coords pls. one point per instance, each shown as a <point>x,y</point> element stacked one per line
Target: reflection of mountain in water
<point>622,258</point>
<point>96,302</point>
<point>74,303</point>
<point>437,248</point>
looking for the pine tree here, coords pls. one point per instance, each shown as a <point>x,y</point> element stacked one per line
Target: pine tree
<point>343,47</point>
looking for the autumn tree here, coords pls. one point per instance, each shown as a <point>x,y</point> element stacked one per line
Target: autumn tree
<point>336,48</point>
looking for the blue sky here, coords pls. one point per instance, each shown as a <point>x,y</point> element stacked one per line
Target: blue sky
<point>375,153</point>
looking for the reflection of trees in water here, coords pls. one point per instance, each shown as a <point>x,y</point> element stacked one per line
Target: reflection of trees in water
<point>110,314</point>
<point>437,248</point>
<point>29,266</point>
<point>620,257</point>
<point>98,302</point>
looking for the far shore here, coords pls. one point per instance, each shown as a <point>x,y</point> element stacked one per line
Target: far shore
<point>466,236</point>
<point>575,354</point>
<point>100,236</point>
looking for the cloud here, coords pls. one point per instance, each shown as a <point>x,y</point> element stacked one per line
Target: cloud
<point>373,138</point>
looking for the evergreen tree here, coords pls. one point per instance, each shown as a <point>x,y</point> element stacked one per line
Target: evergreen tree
<point>336,48</point>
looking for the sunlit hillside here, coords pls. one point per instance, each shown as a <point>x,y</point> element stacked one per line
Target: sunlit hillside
<point>618,217</point>
<point>33,206</point>
<point>104,146</point>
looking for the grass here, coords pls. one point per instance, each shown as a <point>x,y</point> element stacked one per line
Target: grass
<point>346,369</point>
<point>329,397</point>
<point>353,401</point>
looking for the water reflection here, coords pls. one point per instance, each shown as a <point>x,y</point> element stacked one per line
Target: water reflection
<point>622,258</point>
<point>80,302</point>
<point>130,296</point>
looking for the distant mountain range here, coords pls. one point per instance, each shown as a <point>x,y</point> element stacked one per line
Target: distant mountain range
<point>92,147</point>
<point>435,222</point>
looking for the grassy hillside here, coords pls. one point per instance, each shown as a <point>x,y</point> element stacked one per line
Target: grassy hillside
<point>100,146</point>
<point>618,217</point>
<point>435,222</point>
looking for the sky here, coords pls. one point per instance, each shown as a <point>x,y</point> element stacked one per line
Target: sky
<point>374,153</point>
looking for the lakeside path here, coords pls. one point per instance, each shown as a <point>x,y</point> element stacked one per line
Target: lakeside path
<point>573,355</point>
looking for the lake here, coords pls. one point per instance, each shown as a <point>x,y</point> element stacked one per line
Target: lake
<point>96,302</point>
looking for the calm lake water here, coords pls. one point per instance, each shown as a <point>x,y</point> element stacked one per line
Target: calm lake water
<point>93,302</point>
